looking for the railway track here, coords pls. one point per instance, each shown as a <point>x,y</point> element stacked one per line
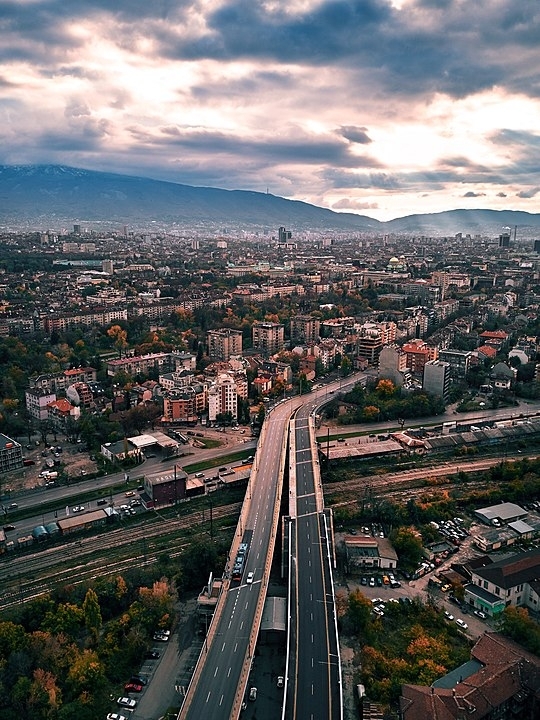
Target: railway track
<point>27,576</point>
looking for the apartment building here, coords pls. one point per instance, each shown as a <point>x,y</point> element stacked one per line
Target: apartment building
<point>133,365</point>
<point>224,343</point>
<point>418,354</point>
<point>222,397</point>
<point>512,581</point>
<point>268,337</point>
<point>37,400</point>
<point>437,378</point>
<point>11,457</point>
<point>304,329</point>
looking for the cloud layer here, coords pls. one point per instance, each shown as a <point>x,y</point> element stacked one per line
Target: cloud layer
<point>371,106</point>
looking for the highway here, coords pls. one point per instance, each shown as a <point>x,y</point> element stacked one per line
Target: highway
<point>220,679</point>
<point>314,660</point>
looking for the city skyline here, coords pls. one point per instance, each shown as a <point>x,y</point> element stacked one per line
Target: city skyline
<point>383,108</point>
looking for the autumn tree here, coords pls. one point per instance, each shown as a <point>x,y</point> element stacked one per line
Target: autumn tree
<point>119,336</point>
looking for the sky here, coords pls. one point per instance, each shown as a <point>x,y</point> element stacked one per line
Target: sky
<point>383,108</point>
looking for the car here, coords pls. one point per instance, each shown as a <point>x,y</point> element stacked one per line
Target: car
<point>480,614</point>
<point>249,578</point>
<point>395,584</point>
<point>78,508</point>
<point>130,493</point>
<point>132,687</point>
<point>102,501</point>
<point>152,655</point>
<point>371,582</point>
<point>116,716</point>
<point>363,580</point>
<point>8,528</point>
<point>280,681</point>
<point>386,580</point>
<point>135,503</point>
<point>448,615</point>
<point>138,680</point>
<point>253,693</point>
<point>462,624</point>
<point>446,587</point>
<point>161,637</point>
<point>378,611</point>
<point>13,506</point>
<point>127,702</point>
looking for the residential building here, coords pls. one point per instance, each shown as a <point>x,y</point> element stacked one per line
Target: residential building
<point>223,398</point>
<point>10,454</point>
<point>418,354</point>
<point>512,581</point>
<point>304,329</point>
<point>369,553</point>
<point>268,337</point>
<point>59,411</point>
<point>459,361</point>
<point>141,364</point>
<point>437,378</point>
<point>37,400</point>
<point>222,344</point>
<point>501,681</point>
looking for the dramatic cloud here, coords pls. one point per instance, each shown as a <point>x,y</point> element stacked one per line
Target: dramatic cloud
<point>385,105</point>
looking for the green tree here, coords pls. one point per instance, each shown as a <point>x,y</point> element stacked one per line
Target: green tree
<point>407,545</point>
<point>92,614</point>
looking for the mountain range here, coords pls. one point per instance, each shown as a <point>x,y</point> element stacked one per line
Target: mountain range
<point>46,196</point>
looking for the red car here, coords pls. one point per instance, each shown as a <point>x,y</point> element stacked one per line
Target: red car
<point>133,687</point>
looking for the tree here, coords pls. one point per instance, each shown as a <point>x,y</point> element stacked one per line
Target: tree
<point>407,545</point>
<point>119,335</point>
<point>92,614</point>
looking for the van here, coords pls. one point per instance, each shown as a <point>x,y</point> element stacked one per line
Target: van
<point>199,475</point>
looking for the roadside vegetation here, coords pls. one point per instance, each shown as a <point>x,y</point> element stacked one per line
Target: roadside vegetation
<point>64,655</point>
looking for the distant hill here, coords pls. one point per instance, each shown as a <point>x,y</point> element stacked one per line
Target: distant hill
<point>58,196</point>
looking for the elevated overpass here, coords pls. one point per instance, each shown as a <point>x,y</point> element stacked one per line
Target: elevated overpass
<point>219,683</point>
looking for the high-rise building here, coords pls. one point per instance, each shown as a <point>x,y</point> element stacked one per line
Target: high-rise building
<point>268,337</point>
<point>224,343</point>
<point>304,329</point>
<point>284,235</point>
<point>222,397</point>
<point>437,378</point>
<point>504,240</point>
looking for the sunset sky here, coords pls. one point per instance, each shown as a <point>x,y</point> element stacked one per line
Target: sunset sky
<point>378,107</point>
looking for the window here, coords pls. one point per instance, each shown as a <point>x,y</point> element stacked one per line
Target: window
<point>485,584</point>
<point>497,591</point>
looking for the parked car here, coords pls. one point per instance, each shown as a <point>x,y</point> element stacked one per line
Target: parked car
<point>480,614</point>
<point>462,624</point>
<point>132,687</point>
<point>138,679</point>
<point>78,508</point>
<point>152,655</point>
<point>127,702</point>
<point>8,528</point>
<point>448,615</point>
<point>116,716</point>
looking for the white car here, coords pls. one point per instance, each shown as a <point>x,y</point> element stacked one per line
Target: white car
<point>116,716</point>
<point>249,578</point>
<point>127,702</point>
<point>448,615</point>
<point>280,681</point>
<point>462,624</point>
<point>78,508</point>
